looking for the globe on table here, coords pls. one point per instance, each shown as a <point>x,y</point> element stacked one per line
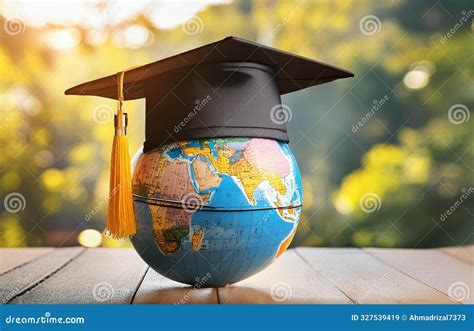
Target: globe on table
<point>212,212</point>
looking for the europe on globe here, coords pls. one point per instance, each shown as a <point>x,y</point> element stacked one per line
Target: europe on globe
<point>215,211</point>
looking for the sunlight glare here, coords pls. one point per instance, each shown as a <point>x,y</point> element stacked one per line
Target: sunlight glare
<point>62,39</point>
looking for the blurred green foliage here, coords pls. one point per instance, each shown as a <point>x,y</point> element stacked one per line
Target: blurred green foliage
<point>409,159</point>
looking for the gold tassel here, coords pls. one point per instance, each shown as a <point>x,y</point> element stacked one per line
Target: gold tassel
<point>120,217</point>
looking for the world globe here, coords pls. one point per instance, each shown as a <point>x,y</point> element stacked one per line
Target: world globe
<point>212,212</point>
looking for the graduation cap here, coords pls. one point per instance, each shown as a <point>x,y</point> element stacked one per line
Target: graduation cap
<point>229,88</point>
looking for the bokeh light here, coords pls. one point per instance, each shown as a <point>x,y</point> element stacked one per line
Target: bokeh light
<point>416,79</point>
<point>62,39</point>
<point>133,37</point>
<point>90,238</point>
<point>44,158</point>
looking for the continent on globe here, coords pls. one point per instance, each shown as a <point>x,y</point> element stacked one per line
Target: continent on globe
<point>156,176</point>
<point>205,178</point>
<point>170,226</point>
<point>266,155</point>
<point>251,161</point>
<point>197,239</point>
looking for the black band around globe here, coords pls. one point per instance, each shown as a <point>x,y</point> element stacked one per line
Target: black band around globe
<point>180,204</point>
<point>212,100</point>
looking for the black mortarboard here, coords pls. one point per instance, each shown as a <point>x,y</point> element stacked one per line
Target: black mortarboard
<point>228,88</point>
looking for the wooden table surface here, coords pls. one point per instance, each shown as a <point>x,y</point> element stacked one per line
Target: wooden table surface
<point>301,275</point>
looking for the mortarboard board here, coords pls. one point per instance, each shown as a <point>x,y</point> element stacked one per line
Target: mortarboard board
<point>241,80</point>
<point>228,88</point>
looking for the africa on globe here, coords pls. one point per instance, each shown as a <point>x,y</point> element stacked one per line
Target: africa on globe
<point>217,210</point>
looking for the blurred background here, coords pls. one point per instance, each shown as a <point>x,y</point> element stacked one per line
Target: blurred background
<point>386,157</point>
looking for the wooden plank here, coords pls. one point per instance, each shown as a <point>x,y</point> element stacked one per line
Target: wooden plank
<point>464,253</point>
<point>13,257</point>
<point>99,275</point>
<point>20,279</point>
<point>158,289</point>
<point>445,273</point>
<point>288,280</point>
<point>367,280</point>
